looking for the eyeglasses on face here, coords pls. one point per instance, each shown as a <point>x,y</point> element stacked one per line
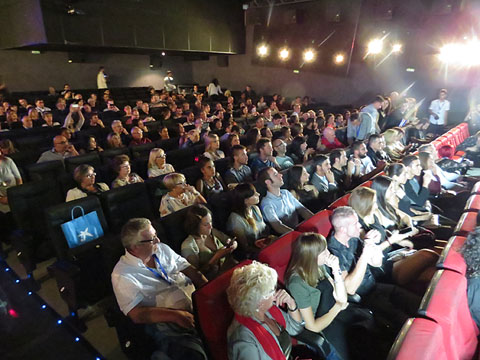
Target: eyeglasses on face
<point>152,240</point>
<point>91,175</point>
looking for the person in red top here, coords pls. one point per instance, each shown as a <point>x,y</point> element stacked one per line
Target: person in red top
<point>329,140</point>
<point>138,138</point>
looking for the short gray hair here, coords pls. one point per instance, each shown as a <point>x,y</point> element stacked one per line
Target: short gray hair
<point>340,214</point>
<point>248,286</point>
<point>130,234</point>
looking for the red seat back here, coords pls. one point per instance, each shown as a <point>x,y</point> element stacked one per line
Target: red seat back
<point>467,222</point>
<point>318,223</point>
<point>473,203</point>
<point>343,201</point>
<point>446,303</point>
<point>451,258</point>
<point>213,313</point>
<point>419,339</point>
<point>277,255</point>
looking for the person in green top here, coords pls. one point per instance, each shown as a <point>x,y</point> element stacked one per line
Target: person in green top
<point>314,279</point>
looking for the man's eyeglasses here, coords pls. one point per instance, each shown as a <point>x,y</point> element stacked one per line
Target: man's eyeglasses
<point>152,240</point>
<point>61,143</point>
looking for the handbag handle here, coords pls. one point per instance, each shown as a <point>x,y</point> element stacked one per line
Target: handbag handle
<point>75,207</point>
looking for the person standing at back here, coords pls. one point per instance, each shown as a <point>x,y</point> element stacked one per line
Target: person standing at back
<point>101,78</point>
<point>438,111</point>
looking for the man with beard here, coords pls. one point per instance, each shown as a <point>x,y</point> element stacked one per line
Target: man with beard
<point>367,168</point>
<point>344,171</point>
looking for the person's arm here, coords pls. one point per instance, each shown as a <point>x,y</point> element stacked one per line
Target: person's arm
<point>81,121</point>
<point>354,279</point>
<point>196,276</point>
<point>152,315</point>
<point>271,217</point>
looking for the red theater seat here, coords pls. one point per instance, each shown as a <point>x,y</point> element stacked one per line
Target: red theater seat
<point>446,303</point>
<point>213,313</point>
<point>367,183</point>
<point>451,259</point>
<point>343,201</point>
<point>473,203</point>
<point>467,222</point>
<point>476,188</point>
<point>419,339</point>
<point>277,255</point>
<point>319,223</point>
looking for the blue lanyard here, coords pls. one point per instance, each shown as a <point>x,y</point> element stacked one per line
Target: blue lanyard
<point>163,277</point>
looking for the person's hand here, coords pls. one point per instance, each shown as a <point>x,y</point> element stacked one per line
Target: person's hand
<point>381,164</point>
<point>406,243</point>
<point>281,298</point>
<point>436,116</point>
<point>190,188</point>
<point>4,200</point>
<point>309,151</point>
<point>329,176</point>
<point>71,149</point>
<point>184,319</point>
<point>231,245</point>
<point>427,179</point>
<point>372,237</point>
<point>124,131</point>
<point>396,237</point>
<point>357,162</point>
<point>350,166</point>
<point>332,262</point>
<point>100,122</point>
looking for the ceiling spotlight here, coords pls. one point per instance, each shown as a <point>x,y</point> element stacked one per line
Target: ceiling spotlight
<point>262,50</point>
<point>284,54</point>
<point>70,61</point>
<point>309,55</point>
<point>375,46</point>
<point>396,48</point>
<point>163,53</point>
<point>339,59</point>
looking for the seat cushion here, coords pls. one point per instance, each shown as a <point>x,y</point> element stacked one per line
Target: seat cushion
<point>451,258</point>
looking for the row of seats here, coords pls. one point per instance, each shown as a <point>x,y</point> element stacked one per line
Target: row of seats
<point>443,330</point>
<point>453,137</point>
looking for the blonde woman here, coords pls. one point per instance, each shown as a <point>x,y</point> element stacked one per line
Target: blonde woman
<point>180,194</point>
<point>260,330</point>
<point>157,164</point>
<point>212,146</point>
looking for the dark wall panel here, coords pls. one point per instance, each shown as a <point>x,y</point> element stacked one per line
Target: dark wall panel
<point>200,26</point>
<point>21,23</point>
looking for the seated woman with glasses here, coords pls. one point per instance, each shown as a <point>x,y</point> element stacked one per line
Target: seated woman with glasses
<point>260,330</point>
<point>210,183</point>
<point>114,141</point>
<point>246,222</point>
<point>179,196</point>
<point>157,165</point>
<point>84,175</point>
<point>121,165</point>
<point>207,249</point>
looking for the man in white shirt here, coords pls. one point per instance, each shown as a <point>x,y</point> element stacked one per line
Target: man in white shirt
<point>168,82</point>
<point>101,78</point>
<point>438,111</point>
<point>153,286</point>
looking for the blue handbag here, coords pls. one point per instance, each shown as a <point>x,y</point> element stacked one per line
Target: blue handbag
<point>82,229</point>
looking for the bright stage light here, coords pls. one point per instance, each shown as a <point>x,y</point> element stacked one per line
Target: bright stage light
<point>262,50</point>
<point>284,54</point>
<point>461,54</point>
<point>309,55</point>
<point>375,46</point>
<point>339,59</point>
<point>396,48</point>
